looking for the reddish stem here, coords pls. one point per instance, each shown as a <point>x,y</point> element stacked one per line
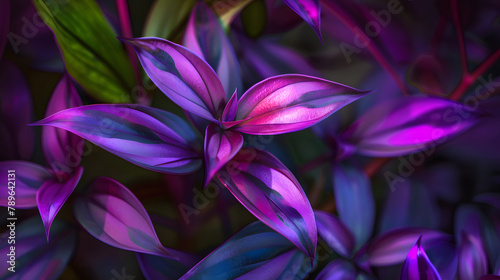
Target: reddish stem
<point>467,80</point>
<point>375,165</point>
<point>126,28</point>
<point>376,53</point>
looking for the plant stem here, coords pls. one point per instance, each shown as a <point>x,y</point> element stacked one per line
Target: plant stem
<point>461,40</point>
<point>126,29</point>
<point>376,53</point>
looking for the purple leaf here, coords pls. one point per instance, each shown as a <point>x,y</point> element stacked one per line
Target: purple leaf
<point>408,125</point>
<point>309,10</point>
<point>111,213</point>
<point>62,149</point>
<point>393,246</point>
<point>472,261</point>
<point>205,37</point>
<point>418,266</point>
<point>354,201</point>
<point>182,76</point>
<point>4,24</point>
<point>335,233</point>
<point>337,269</point>
<point>264,186</point>
<point>16,111</point>
<point>35,258</point>
<point>231,108</point>
<point>255,251</point>
<point>28,179</point>
<point>492,199</point>
<point>159,268</point>
<point>220,147</point>
<point>148,137</point>
<point>288,103</point>
<point>51,196</point>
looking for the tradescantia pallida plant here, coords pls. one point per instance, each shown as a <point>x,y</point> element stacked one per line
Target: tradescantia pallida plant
<point>399,184</point>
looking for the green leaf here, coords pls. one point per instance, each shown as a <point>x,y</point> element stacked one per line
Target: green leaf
<point>92,53</point>
<point>168,18</point>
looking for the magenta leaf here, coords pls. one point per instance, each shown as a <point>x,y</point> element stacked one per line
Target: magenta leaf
<point>393,246</point>
<point>205,37</point>
<point>113,214</point>
<point>220,147</point>
<point>309,10</point>
<point>334,233</point>
<point>62,149</point>
<point>182,76</point>
<point>4,24</point>
<point>35,258</point>
<point>255,251</point>
<point>231,109</point>
<point>51,196</point>
<point>159,268</point>
<point>148,137</point>
<point>408,125</point>
<point>264,186</point>
<point>16,111</point>
<point>418,266</point>
<point>28,178</point>
<point>288,103</point>
<point>354,200</point>
<point>472,261</point>
<point>338,269</point>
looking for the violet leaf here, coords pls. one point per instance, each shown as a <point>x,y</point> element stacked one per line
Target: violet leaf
<point>182,76</point>
<point>407,125</point>
<point>35,258</point>
<point>393,246</point>
<point>309,10</point>
<point>264,186</point>
<point>205,37</point>
<point>51,196</point>
<point>335,233</point>
<point>28,178</point>
<point>472,261</point>
<point>255,251</point>
<point>354,201</point>
<point>62,149</point>
<point>338,269</point>
<point>148,137</point>
<point>220,147</point>
<point>418,266</point>
<point>160,268</point>
<point>288,103</point>
<point>112,213</point>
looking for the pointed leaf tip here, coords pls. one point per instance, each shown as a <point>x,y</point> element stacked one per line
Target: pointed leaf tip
<point>271,193</point>
<point>182,76</point>
<point>148,137</point>
<point>310,11</point>
<point>220,147</point>
<point>113,214</point>
<point>288,103</point>
<point>418,266</point>
<point>52,195</point>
